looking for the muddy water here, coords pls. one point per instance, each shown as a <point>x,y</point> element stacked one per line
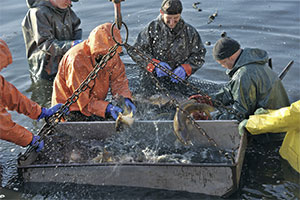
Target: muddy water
<point>270,25</point>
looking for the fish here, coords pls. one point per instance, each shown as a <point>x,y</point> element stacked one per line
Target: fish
<point>156,100</point>
<point>126,118</point>
<point>103,157</point>
<point>182,125</point>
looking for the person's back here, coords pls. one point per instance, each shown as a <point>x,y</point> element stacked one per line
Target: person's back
<point>49,32</point>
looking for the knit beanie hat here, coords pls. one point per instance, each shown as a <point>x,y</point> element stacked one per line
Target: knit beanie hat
<point>171,7</point>
<point>224,48</point>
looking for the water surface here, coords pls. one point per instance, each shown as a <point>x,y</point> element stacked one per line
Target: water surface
<point>266,24</point>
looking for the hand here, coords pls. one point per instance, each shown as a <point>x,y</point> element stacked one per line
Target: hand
<point>261,111</point>
<point>180,72</point>
<point>161,73</point>
<point>38,144</point>
<point>129,104</point>
<point>47,112</point>
<point>75,42</point>
<point>242,127</point>
<point>113,110</point>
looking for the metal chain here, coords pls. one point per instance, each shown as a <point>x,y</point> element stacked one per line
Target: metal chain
<point>218,104</point>
<point>173,100</point>
<point>56,118</point>
<point>166,92</point>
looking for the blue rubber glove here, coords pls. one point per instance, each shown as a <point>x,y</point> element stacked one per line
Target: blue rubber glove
<point>161,73</point>
<point>129,104</point>
<point>113,110</point>
<point>180,72</point>
<point>39,145</point>
<point>47,112</point>
<point>75,42</point>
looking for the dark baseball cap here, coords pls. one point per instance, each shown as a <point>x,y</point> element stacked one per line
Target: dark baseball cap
<point>171,7</point>
<point>74,0</point>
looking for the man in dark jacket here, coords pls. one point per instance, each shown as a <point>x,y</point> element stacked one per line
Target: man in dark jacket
<point>252,83</point>
<point>172,43</point>
<point>50,29</point>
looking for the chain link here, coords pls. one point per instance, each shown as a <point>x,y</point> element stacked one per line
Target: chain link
<point>217,104</point>
<point>56,117</point>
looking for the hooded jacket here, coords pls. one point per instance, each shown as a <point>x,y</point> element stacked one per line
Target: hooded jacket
<point>287,120</point>
<point>48,34</point>
<point>181,45</point>
<point>253,84</point>
<point>12,99</point>
<point>79,62</point>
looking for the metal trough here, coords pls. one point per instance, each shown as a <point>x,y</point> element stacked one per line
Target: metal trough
<point>218,179</point>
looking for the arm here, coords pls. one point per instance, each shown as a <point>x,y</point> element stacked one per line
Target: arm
<point>197,53</point>
<point>76,23</point>
<point>243,91</point>
<point>118,79</point>
<point>12,132</point>
<point>13,99</point>
<point>275,121</point>
<point>143,44</point>
<point>44,34</point>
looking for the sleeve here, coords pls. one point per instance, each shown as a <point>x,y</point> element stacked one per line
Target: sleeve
<point>275,121</point>
<point>243,91</point>
<point>143,44</point>
<point>76,23</point>
<point>44,36</point>
<point>224,95</point>
<point>119,81</point>
<point>14,100</point>
<point>197,53</point>
<point>12,132</point>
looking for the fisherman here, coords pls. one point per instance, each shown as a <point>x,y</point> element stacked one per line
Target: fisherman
<point>12,99</point>
<point>285,119</point>
<point>76,65</point>
<point>173,44</point>
<point>50,28</point>
<point>252,83</point>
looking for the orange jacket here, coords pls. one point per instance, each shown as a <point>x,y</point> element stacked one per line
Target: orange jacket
<point>12,99</point>
<point>79,61</point>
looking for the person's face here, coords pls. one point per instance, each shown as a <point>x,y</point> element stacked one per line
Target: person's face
<point>226,63</point>
<point>170,20</point>
<point>62,4</point>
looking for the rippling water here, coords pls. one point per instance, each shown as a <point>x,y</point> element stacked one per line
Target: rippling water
<point>270,25</point>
